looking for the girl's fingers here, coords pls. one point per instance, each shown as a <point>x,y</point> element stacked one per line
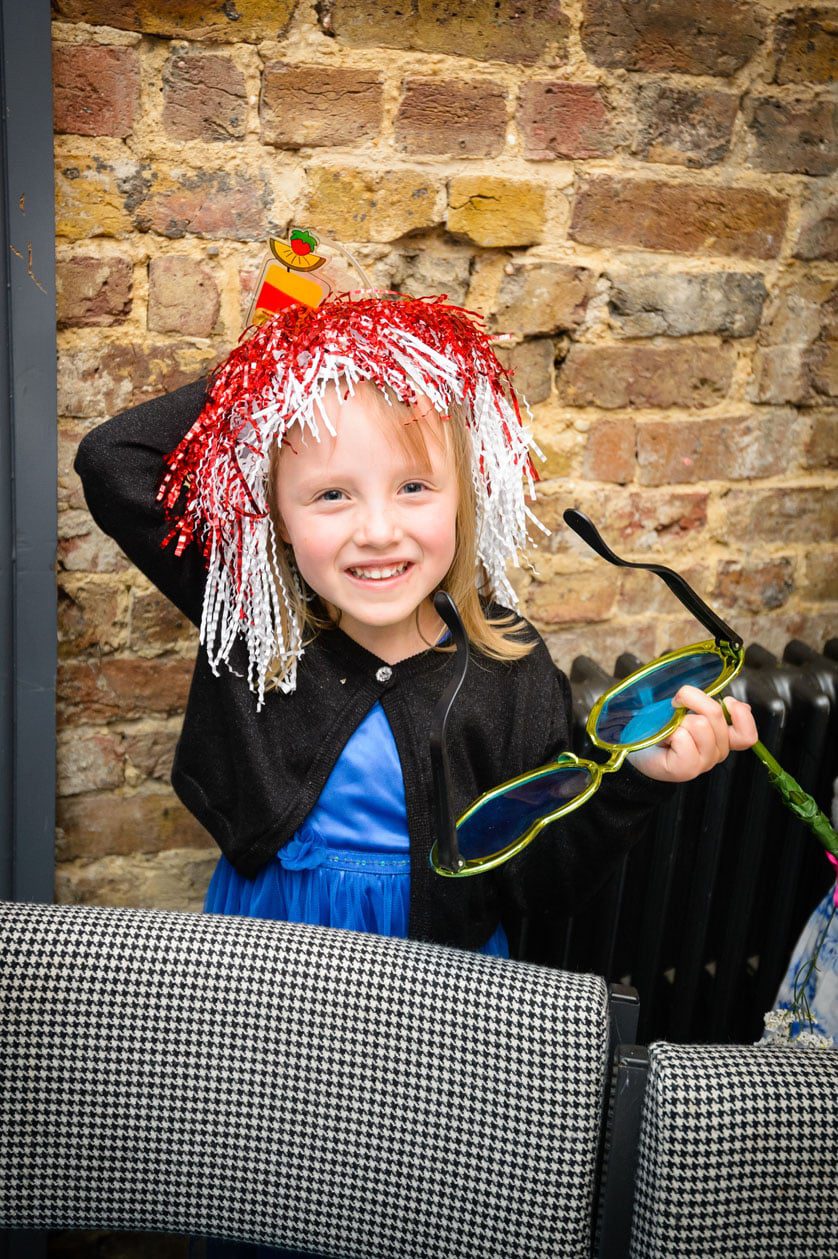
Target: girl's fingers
<point>702,740</point>
<point>710,710</point>
<point>696,745</point>
<point>742,731</point>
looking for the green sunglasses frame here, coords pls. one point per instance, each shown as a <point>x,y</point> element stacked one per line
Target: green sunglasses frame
<point>731,660</point>
<point>445,855</point>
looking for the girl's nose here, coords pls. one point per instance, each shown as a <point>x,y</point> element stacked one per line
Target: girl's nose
<point>378,526</point>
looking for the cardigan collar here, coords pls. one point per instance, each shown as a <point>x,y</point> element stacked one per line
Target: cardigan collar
<point>337,642</point>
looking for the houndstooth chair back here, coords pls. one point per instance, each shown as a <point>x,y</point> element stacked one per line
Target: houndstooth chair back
<point>738,1153</point>
<point>297,1086</point>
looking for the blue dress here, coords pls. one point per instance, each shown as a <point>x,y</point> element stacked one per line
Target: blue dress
<point>349,863</point>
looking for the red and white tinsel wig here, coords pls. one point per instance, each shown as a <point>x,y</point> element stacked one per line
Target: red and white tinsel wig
<point>214,489</point>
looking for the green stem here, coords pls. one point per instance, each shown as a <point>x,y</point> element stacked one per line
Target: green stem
<point>798,800</point>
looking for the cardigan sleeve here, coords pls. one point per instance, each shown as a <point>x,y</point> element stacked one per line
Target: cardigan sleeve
<point>120,464</point>
<point>571,858</point>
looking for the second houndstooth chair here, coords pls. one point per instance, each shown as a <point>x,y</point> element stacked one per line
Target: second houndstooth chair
<point>295,1086</point>
<point>738,1154</point>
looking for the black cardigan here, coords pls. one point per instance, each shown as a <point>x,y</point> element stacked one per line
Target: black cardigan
<point>251,779</point>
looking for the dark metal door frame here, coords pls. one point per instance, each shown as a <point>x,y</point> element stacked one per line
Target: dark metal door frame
<point>28,460</point>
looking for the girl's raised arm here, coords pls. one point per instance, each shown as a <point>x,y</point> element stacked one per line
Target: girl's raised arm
<point>120,464</point>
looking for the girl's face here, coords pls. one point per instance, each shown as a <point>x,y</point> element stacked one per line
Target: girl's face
<point>371,519</point>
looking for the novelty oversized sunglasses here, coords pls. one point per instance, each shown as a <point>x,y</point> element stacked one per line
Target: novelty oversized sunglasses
<point>635,713</point>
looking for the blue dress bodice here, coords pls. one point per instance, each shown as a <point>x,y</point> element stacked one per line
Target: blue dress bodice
<point>348,865</point>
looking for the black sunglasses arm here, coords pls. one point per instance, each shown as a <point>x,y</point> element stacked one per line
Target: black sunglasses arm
<point>588,532</point>
<point>444,830</point>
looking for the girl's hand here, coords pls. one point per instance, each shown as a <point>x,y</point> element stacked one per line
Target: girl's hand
<point>702,740</point>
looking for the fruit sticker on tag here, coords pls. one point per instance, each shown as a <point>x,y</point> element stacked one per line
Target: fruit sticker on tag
<point>287,276</point>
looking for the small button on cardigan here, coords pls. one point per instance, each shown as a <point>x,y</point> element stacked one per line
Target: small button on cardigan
<point>251,778</point>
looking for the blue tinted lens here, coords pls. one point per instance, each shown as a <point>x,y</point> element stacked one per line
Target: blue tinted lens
<point>644,708</point>
<point>498,822</point>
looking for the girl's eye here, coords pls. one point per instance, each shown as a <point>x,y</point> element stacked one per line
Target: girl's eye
<point>330,496</point>
<point>414,487</point>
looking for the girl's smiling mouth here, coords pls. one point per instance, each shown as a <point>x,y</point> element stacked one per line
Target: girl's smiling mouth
<point>380,574</point>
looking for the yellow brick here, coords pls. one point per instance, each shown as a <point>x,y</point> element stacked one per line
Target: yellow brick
<point>367,206</point>
<point>496,212</point>
<point>185,19</point>
<point>88,201</point>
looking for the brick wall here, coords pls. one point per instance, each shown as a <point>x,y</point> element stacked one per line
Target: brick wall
<point>638,191</point>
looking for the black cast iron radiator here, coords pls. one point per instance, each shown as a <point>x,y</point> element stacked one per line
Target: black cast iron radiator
<point>703,914</point>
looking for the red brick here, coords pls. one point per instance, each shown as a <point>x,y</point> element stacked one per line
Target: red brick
<point>122,687</point>
<point>102,380</point>
<point>244,20</point>
<point>638,520</point>
<point>795,136</point>
<point>204,98</point>
<point>725,449</point>
<point>306,106</point>
<point>182,297</point>
<point>96,89</point>
<point>688,36</point>
<point>755,586</point>
<point>615,376</point>
<point>684,218</point>
<point>92,291</point>
<point>610,451</point>
<point>452,116</point>
<point>88,550</point>
<point>684,126</point>
<point>89,760</point>
<point>486,30</point>
<point>641,523</point>
<point>105,823</point>
<point>784,514</point>
<point>806,46</point>
<point>569,120</point>
<point>207,203</point>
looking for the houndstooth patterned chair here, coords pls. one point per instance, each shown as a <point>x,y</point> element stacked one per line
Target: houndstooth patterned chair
<point>295,1086</point>
<point>738,1154</point>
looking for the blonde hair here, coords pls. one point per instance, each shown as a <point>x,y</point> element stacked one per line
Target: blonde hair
<point>490,635</point>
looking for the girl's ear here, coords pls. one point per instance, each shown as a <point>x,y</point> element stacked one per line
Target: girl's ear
<point>283,532</point>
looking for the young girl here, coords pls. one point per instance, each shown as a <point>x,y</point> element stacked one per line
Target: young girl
<point>343,465</point>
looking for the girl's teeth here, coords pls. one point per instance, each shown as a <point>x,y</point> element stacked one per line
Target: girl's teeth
<point>378,574</point>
